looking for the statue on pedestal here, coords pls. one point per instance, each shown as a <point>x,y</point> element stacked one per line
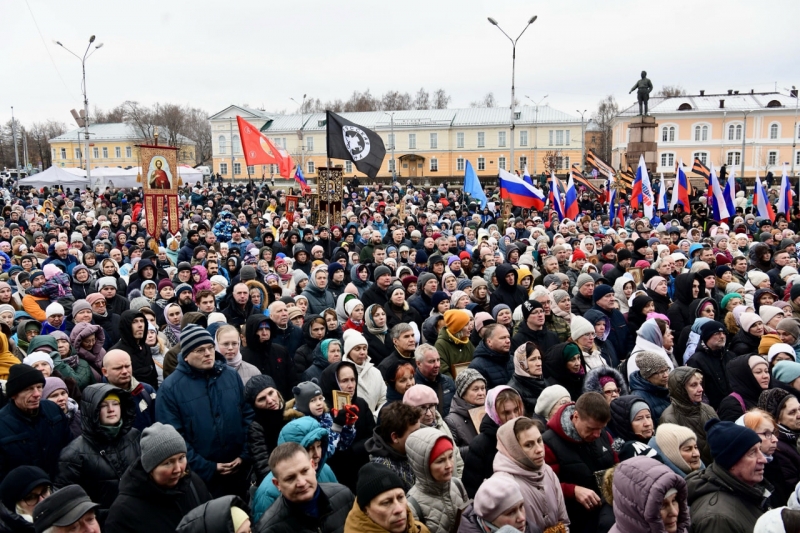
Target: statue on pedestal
<point>644,87</point>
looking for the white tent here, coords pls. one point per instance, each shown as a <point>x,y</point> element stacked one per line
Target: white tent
<point>121,177</point>
<point>55,176</point>
<point>75,171</point>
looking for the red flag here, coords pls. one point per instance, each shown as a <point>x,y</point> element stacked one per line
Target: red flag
<point>259,150</point>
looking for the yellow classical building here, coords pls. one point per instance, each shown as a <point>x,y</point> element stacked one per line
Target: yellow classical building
<point>110,145</point>
<point>756,130</point>
<point>433,143</point>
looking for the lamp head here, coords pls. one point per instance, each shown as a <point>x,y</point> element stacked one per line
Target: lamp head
<point>98,46</point>
<point>494,22</point>
<point>91,39</point>
<point>58,43</point>
<point>533,19</point>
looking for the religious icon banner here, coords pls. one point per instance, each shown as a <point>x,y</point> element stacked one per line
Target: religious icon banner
<point>160,182</point>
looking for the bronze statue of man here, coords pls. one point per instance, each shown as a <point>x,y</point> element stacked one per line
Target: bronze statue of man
<point>644,87</point>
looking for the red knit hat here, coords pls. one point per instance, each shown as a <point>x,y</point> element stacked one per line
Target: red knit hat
<point>442,445</point>
<point>578,254</point>
<point>464,255</point>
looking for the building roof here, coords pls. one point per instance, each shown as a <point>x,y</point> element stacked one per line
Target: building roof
<point>709,103</point>
<point>118,131</point>
<point>432,118</point>
<point>249,112</point>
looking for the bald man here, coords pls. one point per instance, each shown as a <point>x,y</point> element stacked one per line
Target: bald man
<point>118,371</point>
<point>285,334</point>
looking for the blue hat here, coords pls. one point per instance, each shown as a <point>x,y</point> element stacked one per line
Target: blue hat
<point>729,442</point>
<point>786,371</point>
<point>422,257</point>
<point>438,297</point>
<point>333,267</point>
<point>600,291</point>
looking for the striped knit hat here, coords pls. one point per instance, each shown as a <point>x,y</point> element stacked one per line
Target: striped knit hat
<point>192,337</point>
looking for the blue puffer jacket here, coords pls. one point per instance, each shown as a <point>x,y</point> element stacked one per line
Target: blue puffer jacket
<point>656,397</point>
<point>209,410</point>
<point>224,228</point>
<point>492,365</point>
<point>305,431</point>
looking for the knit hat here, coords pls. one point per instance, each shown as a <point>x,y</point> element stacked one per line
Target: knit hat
<point>418,395</point>
<point>528,306</point>
<point>710,328</point>
<point>139,303</point>
<point>548,399</point>
<point>483,319</point>
<point>495,496</point>
<point>35,274</point>
<point>768,312</point>
<point>438,297</point>
<point>456,319</point>
<point>580,327</point>
<point>303,394</point>
<point>551,279</point>
<point>159,442</point>
<point>54,308</point>
<point>6,308</point>
<point>638,405</point>
<point>219,280</point>
<point>20,482</point>
<point>50,271</point>
<point>570,351</point>
<point>650,363</point>
<point>382,271</point>
<point>463,284</point>
<point>192,337</point>
<point>35,357</point>
<point>353,338</point>
<point>670,438</point>
<point>375,479</point>
<point>559,295</point>
<point>772,401</point>
<point>583,279</point>
<point>733,287</point>
<point>107,281</point>
<point>168,283</point>
<point>767,341</point>
<point>577,254</point>
<point>333,267</point>
<point>497,308</point>
<point>728,441</point>
<point>215,317</point>
<point>777,348</point>
<point>94,297</point>
<point>791,326</point>
<point>63,508</point>
<point>20,377</point>
<point>442,445</point>
<point>478,282</point>
<point>184,265</point>
<point>624,254</point>
<point>748,320</point>
<point>788,271</point>
<point>785,371</point>
<point>351,304</point>
<point>600,291</point>
<point>757,278</point>
<point>51,385</point>
<point>794,292</point>
<point>727,298</point>
<point>466,378</point>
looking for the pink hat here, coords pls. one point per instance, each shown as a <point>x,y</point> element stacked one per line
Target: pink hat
<point>420,395</point>
<point>50,271</point>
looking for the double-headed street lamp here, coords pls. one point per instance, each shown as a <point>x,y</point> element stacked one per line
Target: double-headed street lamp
<point>394,163</point>
<point>300,133</point>
<point>535,127</point>
<point>513,66</point>
<point>84,120</point>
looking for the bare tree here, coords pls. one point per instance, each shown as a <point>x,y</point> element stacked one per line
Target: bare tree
<point>396,101</point>
<point>487,101</point>
<point>440,99</point>
<point>141,119</point>
<point>198,129</point>
<point>112,116</point>
<point>670,91</point>
<point>337,105</point>
<point>362,102</point>
<point>422,100</point>
<point>552,160</point>
<point>607,109</point>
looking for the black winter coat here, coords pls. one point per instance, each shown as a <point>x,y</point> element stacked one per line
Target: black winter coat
<point>96,461</point>
<point>212,517</point>
<point>144,506</point>
<point>511,295</point>
<point>333,504</point>
<point>302,357</point>
<point>378,350</point>
<point>270,358</point>
<point>744,343</point>
<point>110,325</point>
<point>530,389</point>
<point>715,374</point>
<point>544,338</point>
<point>493,366</point>
<point>742,382</point>
<point>144,368</point>
<point>479,463</point>
<point>679,314</point>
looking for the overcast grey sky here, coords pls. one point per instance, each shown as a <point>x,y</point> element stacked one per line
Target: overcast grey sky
<point>213,53</point>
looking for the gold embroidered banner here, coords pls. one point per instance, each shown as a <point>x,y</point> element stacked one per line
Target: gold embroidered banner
<point>160,182</point>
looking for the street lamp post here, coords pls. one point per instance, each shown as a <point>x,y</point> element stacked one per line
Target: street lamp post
<point>744,137</point>
<point>793,92</point>
<point>85,118</point>
<point>300,133</point>
<point>535,128</point>
<point>394,163</point>
<point>513,67</point>
<point>14,137</point>
<point>583,139</point>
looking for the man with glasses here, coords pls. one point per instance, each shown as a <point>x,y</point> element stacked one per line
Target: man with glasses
<point>204,401</point>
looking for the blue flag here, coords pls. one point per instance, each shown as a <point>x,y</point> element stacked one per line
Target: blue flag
<point>472,185</point>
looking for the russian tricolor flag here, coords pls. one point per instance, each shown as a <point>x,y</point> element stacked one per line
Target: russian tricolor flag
<point>761,201</point>
<point>301,179</point>
<point>786,197</point>
<point>555,196</point>
<point>719,208</point>
<point>519,192</point>
<point>680,190</point>
<point>571,208</point>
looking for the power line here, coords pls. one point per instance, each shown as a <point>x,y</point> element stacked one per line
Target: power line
<point>35,23</point>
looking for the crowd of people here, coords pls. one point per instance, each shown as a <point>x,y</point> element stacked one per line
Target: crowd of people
<point>423,365</point>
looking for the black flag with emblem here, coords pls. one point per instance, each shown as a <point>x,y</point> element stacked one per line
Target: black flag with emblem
<point>347,140</point>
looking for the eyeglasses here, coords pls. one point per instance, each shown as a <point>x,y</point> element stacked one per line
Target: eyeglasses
<point>428,408</point>
<point>35,497</point>
<point>766,435</point>
<point>611,392</point>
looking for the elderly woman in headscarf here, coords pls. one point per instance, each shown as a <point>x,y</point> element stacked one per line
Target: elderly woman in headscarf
<point>623,289</point>
<point>656,337</point>
<point>528,378</point>
<point>561,305</point>
<point>171,334</point>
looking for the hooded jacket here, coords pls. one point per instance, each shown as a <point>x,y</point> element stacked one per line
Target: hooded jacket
<point>212,517</point>
<point>144,369</point>
<point>371,387</point>
<point>270,358</point>
<point>319,361</point>
<point>540,488</point>
<point>683,412</point>
<point>640,485</point>
<point>510,294</point>
<point>744,343</point>
<point>141,278</point>
<point>357,282</point>
<point>720,502</point>
<point>620,425</point>
<point>319,298</point>
<point>591,383</point>
<point>421,301</point>
<point>678,313</point>
<point>97,459</point>
<point>712,364</point>
<point>303,357</point>
<point>555,370</point>
<point>743,383</point>
<point>438,501</point>
<point>207,407</point>
<point>656,397</point>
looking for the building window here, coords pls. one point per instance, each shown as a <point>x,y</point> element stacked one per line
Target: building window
<point>667,159</point>
<point>223,145</point>
<point>460,164</point>
<point>481,163</point>
<point>523,138</point>
<point>412,141</point>
<point>797,158</point>
<point>348,167</point>
<point>309,167</point>
<point>223,169</point>
<point>734,158</point>
<point>773,131</point>
<point>391,165</point>
<point>702,156</point>
<point>63,153</point>
<point>566,162</point>
<point>237,169</point>
<point>96,153</point>
<point>701,133</point>
<point>117,152</point>
<point>105,152</point>
<point>550,140</point>
<point>459,140</point>
<point>434,165</point>
<point>391,141</point>
<point>523,162</point>
<point>772,158</point>
<point>434,141</point>
<point>128,152</point>
<point>566,137</point>
<point>236,145</point>
<point>309,144</point>
<point>501,162</point>
<point>735,132</point>
<point>668,134</point>
<point>501,139</point>
<point>481,139</point>
<point>77,153</point>
<point>251,170</point>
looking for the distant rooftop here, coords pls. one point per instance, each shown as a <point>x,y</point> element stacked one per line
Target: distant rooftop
<point>705,103</point>
<point>118,131</point>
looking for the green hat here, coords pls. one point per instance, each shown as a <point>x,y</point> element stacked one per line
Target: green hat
<point>570,351</point>
<point>728,297</point>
